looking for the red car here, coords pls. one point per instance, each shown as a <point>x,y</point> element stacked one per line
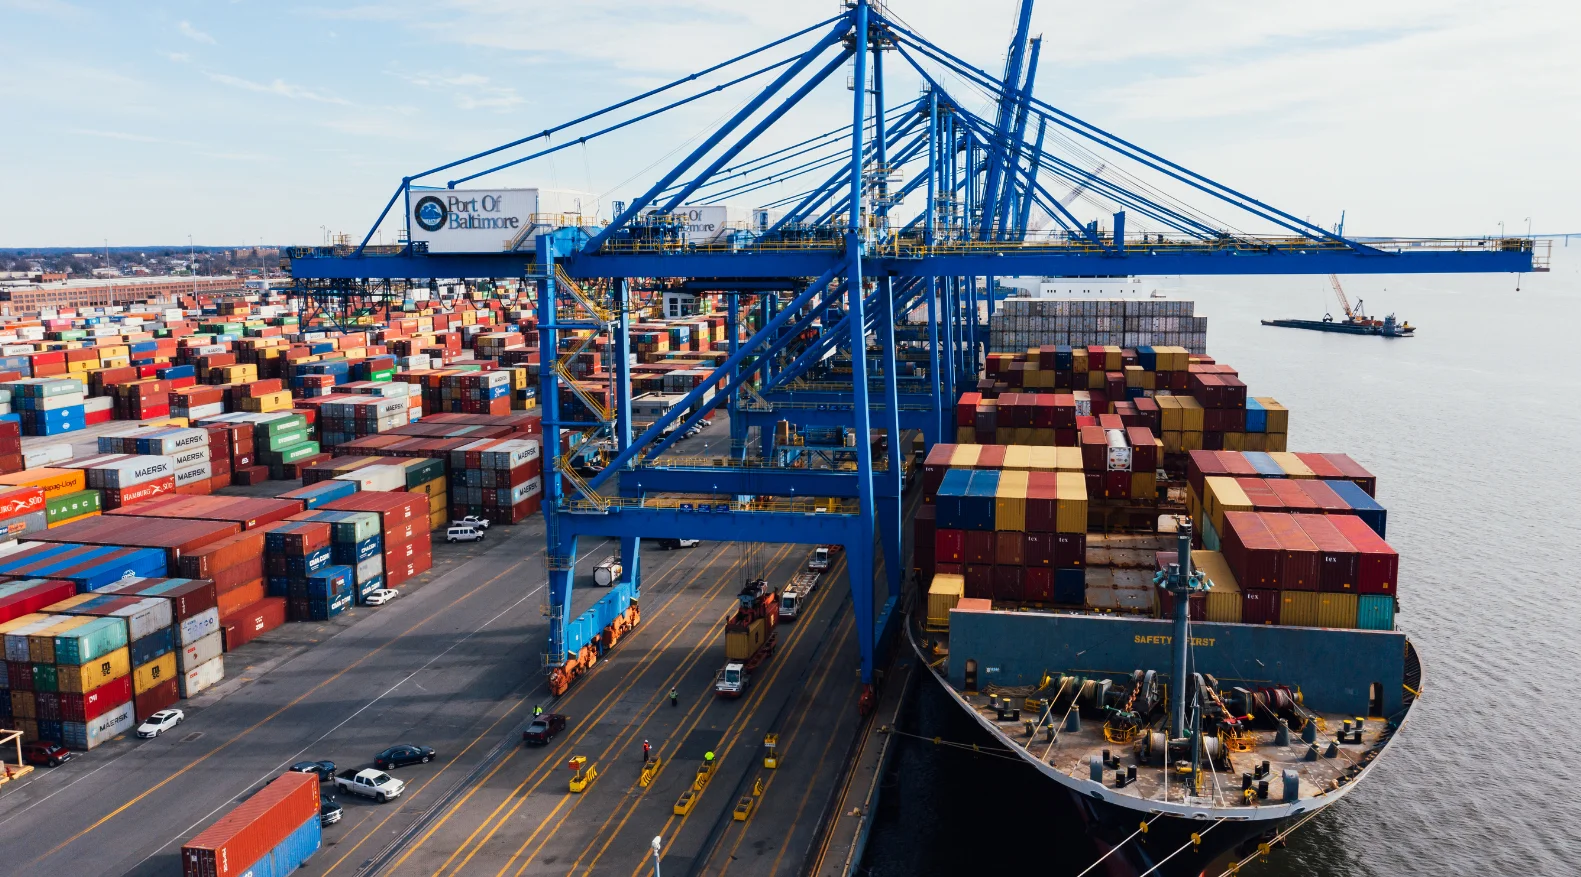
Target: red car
<point>46,754</point>
<point>543,729</point>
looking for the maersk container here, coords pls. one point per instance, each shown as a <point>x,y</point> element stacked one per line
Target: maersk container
<point>130,471</point>
<point>201,677</point>
<point>1375,611</point>
<point>87,735</point>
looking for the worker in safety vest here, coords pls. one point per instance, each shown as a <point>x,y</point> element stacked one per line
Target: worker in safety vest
<point>647,750</point>
<point>674,698</point>
<point>537,710</point>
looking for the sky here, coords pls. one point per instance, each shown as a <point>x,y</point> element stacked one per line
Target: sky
<point>252,122</point>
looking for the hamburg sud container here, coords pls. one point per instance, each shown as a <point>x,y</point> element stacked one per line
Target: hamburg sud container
<point>269,835</point>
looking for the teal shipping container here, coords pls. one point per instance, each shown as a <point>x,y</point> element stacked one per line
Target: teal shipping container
<point>83,644</point>
<point>1375,611</point>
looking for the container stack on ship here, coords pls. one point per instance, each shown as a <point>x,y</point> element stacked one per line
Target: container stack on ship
<point>1116,524</point>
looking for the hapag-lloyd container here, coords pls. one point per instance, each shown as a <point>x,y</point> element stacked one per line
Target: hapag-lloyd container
<point>203,676</point>
<point>254,829</point>
<point>201,652</point>
<point>87,735</point>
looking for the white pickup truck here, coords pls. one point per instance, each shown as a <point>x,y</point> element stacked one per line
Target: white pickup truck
<point>370,783</point>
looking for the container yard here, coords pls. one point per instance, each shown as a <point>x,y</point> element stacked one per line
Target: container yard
<point>554,531</point>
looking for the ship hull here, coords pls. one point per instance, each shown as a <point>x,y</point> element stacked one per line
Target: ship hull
<point>1329,326</point>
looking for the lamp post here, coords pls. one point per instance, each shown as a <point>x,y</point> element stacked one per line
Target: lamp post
<point>657,843</point>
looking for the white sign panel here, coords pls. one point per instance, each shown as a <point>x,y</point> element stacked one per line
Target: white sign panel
<point>494,220</point>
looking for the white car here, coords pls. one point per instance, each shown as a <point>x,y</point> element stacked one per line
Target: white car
<point>476,522</point>
<point>463,533</point>
<point>159,723</point>
<point>380,597</point>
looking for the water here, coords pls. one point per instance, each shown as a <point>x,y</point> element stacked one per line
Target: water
<point>1473,429</point>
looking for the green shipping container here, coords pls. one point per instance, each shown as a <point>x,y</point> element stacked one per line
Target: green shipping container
<point>299,451</point>
<point>44,678</point>
<point>83,644</point>
<point>271,428</point>
<point>64,508</point>
<point>1375,611</point>
<point>281,440</point>
<point>422,472</point>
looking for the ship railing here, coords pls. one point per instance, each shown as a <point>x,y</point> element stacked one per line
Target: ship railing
<point>707,505</point>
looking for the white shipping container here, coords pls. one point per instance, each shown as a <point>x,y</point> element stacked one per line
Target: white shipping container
<point>94,404</point>
<point>189,657</point>
<point>204,675</point>
<point>369,568</point>
<point>510,454</point>
<point>193,474</point>
<point>84,736</point>
<point>63,400</point>
<point>1119,451</point>
<point>39,457</point>
<point>200,412</point>
<point>190,457</point>
<point>130,471</point>
<point>198,626</point>
<point>145,617</point>
<point>531,488</point>
<point>380,477</point>
<point>24,525</point>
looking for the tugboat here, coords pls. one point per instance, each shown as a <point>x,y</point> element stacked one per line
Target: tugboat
<point>1356,321</point>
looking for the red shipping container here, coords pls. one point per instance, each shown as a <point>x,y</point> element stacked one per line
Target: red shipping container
<point>1335,553</point>
<point>1144,451</point>
<point>37,597</point>
<point>979,580</point>
<point>238,597</point>
<point>1300,563</point>
<point>1007,584</point>
<point>1251,551</point>
<point>250,830</point>
<point>1259,606</point>
<point>1377,564</point>
<point>979,546</point>
<point>991,457</point>
<point>1327,501</point>
<point>1042,508</point>
<point>186,600</point>
<point>397,572</point>
<point>1292,496</point>
<point>1117,485</point>
<point>1038,550</point>
<point>1070,550</point>
<point>261,617</point>
<point>1320,466</point>
<point>923,532</point>
<point>1008,548</point>
<point>1094,449</point>
<point>949,546</point>
<point>223,554</point>
<point>90,706</point>
<point>1037,584</point>
<point>953,569</point>
<point>1353,471</point>
<point>161,696</point>
<point>18,501</point>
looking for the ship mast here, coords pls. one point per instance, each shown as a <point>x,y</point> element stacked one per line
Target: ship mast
<point>1179,583</point>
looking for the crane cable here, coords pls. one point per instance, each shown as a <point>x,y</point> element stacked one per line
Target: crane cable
<point>1143,828</point>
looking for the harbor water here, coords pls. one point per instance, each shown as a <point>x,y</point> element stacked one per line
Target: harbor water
<point>1474,430</point>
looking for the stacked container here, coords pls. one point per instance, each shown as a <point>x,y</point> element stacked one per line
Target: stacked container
<point>235,564</point>
<point>497,479</point>
<point>272,833</point>
<point>49,406</point>
<point>403,526</point>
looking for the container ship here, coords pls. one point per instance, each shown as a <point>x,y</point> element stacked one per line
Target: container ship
<point>1133,585</point>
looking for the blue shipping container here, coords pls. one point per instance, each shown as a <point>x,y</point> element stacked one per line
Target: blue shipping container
<point>152,646</point>
<point>952,490</point>
<point>285,859</point>
<point>1264,464</point>
<point>1256,416</point>
<point>369,586</point>
<point>1070,586</point>
<point>977,508</point>
<point>1375,612</point>
<point>1368,509</point>
<point>354,553</point>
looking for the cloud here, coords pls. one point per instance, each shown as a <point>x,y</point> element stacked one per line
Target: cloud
<point>471,91</point>
<point>278,87</point>
<point>192,33</point>
<point>128,136</point>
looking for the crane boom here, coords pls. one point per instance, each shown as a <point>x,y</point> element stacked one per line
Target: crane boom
<point>1339,293</point>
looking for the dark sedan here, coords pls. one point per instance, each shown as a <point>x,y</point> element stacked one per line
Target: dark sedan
<point>324,769</point>
<point>406,753</point>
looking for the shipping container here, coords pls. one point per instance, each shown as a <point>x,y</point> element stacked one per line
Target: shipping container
<point>944,593</point>
<point>1317,609</point>
<point>253,829</point>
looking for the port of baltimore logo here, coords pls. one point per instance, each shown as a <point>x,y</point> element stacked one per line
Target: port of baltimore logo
<point>431,213</point>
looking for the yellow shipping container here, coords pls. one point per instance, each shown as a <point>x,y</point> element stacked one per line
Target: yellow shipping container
<point>1223,494</point>
<point>965,454</point>
<point>1010,502</point>
<point>80,680</point>
<point>1292,465</point>
<point>1069,459</point>
<point>964,435</point>
<point>56,482</point>
<point>1004,435</point>
<point>1235,441</point>
<point>1070,513</point>
<point>1254,441</point>
<point>1133,376</point>
<point>149,675</point>
<point>1144,485</point>
<point>944,593</point>
<point>438,518</point>
<point>1224,598</point>
<point>1095,381</point>
<point>1172,443</point>
<point>1316,609</point>
<point>1078,357</point>
<point>1273,441</point>
<point>280,401</point>
<point>1169,416</point>
<point>1043,459</point>
<point>1191,417</point>
<point>1018,457</point>
<point>1278,415</point>
<point>1113,360</point>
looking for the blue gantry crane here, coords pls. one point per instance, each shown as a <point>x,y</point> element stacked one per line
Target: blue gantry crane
<point>827,275</point>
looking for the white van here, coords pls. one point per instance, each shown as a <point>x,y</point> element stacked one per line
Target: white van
<point>463,533</point>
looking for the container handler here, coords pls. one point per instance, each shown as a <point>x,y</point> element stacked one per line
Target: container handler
<point>819,561</point>
<point>749,637</point>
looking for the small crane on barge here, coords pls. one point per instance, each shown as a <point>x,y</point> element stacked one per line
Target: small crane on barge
<point>1356,321</point>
